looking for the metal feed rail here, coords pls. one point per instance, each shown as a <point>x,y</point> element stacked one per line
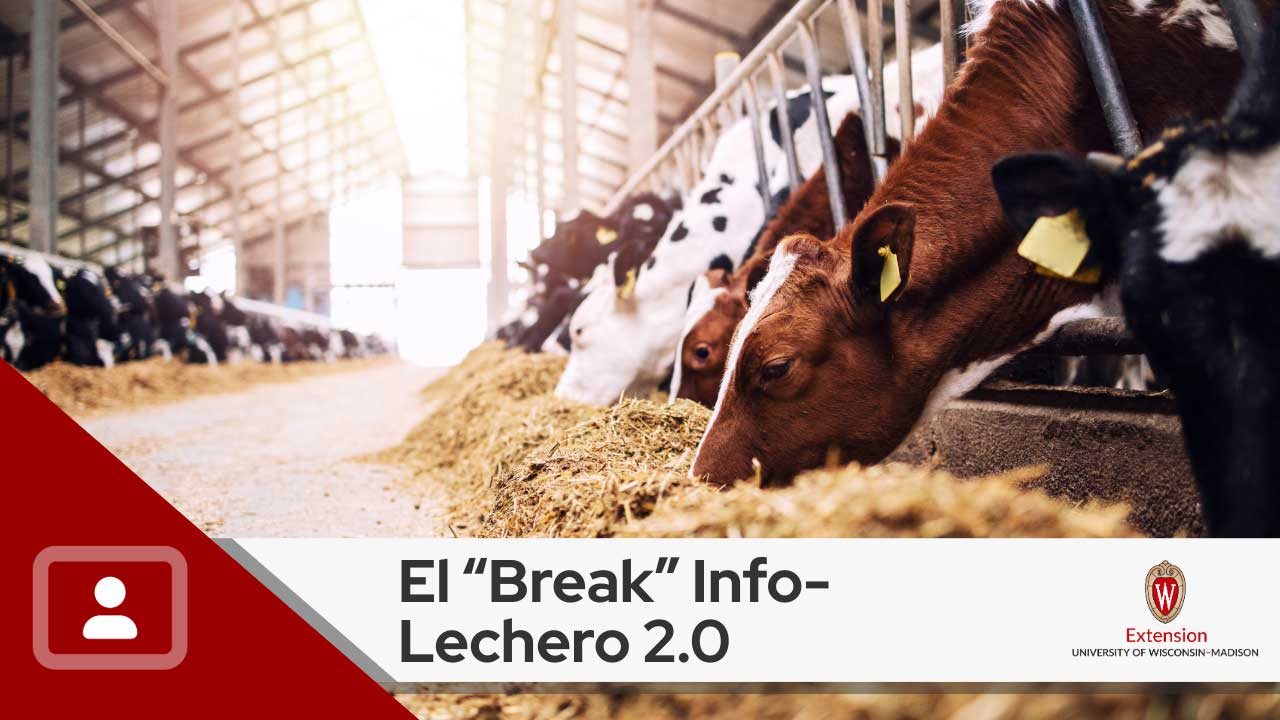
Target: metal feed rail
<point>691,141</point>
<point>61,261</point>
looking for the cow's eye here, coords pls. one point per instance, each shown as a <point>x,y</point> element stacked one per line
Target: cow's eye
<point>702,352</point>
<point>775,370</point>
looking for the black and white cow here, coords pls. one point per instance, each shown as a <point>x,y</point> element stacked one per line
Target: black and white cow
<point>90,332</point>
<point>209,322</point>
<point>1191,230</point>
<point>562,265</point>
<point>265,342</point>
<point>135,315</point>
<point>174,316</point>
<point>32,310</point>
<point>550,314</point>
<point>583,242</point>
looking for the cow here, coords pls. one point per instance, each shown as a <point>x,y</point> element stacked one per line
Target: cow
<point>90,331</point>
<point>135,315</point>
<point>624,332</point>
<point>236,321</point>
<point>849,343</point>
<point>34,312</point>
<point>174,315</point>
<point>718,301</point>
<point>585,240</point>
<point>562,264</point>
<point>624,336</point>
<point>640,221</point>
<point>550,314</point>
<point>294,344</point>
<point>265,342</point>
<point>316,343</point>
<point>354,347</point>
<point>209,323</point>
<point>1191,229</point>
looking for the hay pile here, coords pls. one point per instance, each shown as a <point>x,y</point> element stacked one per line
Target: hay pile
<point>885,501</point>
<point>519,462</point>
<point>612,467</point>
<point>88,390</point>
<point>491,410</point>
<point>839,707</point>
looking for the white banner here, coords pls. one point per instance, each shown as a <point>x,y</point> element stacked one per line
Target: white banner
<point>785,611</point>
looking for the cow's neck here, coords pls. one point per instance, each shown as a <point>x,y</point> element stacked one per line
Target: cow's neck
<point>1024,88</point>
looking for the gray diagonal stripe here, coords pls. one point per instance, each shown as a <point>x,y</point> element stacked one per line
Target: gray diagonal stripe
<point>308,613</point>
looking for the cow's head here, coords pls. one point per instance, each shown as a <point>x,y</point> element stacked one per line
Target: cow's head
<point>625,332</point>
<point>713,316</point>
<point>578,245</point>
<point>609,333</point>
<point>31,280</point>
<point>717,303</point>
<point>817,367</point>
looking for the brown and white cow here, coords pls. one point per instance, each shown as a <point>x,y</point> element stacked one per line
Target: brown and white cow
<point>822,366</point>
<point>700,357</point>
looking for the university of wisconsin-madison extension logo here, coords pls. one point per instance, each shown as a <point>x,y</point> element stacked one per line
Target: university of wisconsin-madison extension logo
<point>1166,589</point>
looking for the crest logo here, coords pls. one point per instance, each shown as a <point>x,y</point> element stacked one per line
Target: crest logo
<point>1166,590</point>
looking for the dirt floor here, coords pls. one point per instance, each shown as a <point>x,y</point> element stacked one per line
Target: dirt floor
<point>279,459</point>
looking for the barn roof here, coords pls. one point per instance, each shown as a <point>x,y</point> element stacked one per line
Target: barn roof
<point>335,124</point>
<point>687,35</point>
<point>336,128</point>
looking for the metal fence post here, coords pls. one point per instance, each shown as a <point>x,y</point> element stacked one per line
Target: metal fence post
<point>830,163</point>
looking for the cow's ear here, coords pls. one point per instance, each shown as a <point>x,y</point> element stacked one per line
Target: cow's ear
<point>1036,185</point>
<point>881,249</point>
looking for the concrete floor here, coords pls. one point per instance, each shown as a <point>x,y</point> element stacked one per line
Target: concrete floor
<point>278,460</point>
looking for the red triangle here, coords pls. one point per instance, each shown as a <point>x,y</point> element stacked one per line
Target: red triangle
<point>248,654</point>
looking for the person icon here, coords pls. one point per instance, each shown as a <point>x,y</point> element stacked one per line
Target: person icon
<point>109,592</point>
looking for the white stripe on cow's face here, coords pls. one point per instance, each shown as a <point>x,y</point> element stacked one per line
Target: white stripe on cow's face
<point>702,300</point>
<point>1215,197</point>
<point>780,267</point>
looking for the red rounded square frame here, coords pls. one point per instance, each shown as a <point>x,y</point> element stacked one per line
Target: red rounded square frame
<point>109,661</point>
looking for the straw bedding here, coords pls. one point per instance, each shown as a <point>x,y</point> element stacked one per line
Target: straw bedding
<point>519,462</point>
<point>89,390</point>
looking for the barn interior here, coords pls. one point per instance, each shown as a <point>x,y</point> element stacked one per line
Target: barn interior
<point>365,180</point>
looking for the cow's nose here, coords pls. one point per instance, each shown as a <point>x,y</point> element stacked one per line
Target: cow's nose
<point>719,465</point>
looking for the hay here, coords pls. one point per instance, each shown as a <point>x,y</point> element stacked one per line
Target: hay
<point>614,466</point>
<point>838,707</point>
<point>84,391</point>
<point>519,462</point>
<point>491,410</point>
<point>892,500</point>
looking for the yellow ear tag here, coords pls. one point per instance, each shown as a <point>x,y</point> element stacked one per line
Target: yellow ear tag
<point>1057,244</point>
<point>604,235</point>
<point>890,276</point>
<point>626,291</point>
